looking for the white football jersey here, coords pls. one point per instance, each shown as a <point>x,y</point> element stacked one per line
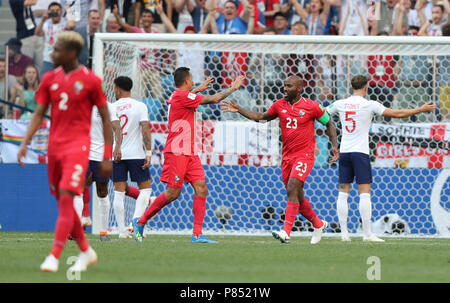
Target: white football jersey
<point>356,115</point>
<point>97,140</point>
<point>131,113</point>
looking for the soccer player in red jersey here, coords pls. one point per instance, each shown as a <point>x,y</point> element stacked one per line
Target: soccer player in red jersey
<point>71,90</point>
<point>297,116</point>
<point>181,162</point>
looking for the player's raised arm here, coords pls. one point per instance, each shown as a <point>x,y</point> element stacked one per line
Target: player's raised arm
<point>225,93</point>
<point>232,107</point>
<point>403,113</point>
<point>105,168</point>
<point>33,126</point>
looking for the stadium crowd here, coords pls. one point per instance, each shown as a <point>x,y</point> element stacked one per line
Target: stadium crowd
<point>38,22</point>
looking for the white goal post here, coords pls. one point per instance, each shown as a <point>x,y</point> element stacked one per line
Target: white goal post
<point>410,157</point>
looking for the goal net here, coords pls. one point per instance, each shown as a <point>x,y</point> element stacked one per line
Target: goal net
<point>410,157</point>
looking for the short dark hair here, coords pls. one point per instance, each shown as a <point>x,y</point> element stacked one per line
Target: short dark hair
<point>300,23</point>
<point>277,14</point>
<point>53,4</point>
<point>147,11</point>
<point>440,6</point>
<point>446,30</point>
<point>413,27</point>
<point>123,83</point>
<point>180,75</point>
<point>232,1</point>
<point>359,82</point>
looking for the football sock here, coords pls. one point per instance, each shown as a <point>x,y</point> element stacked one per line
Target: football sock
<point>289,216</point>
<point>64,223</point>
<point>119,210</point>
<point>306,210</point>
<point>342,211</point>
<point>365,211</point>
<point>104,207</point>
<point>86,201</point>
<point>153,209</point>
<point>199,208</point>
<point>142,202</point>
<point>78,205</point>
<point>78,233</point>
<point>133,192</point>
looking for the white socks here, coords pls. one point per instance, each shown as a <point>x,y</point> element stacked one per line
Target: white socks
<point>142,202</point>
<point>104,206</point>
<point>78,205</point>
<point>365,211</point>
<point>119,210</point>
<point>342,211</point>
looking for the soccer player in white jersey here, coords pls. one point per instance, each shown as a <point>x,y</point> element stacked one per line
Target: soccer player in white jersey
<point>134,120</point>
<point>356,115</point>
<point>95,158</point>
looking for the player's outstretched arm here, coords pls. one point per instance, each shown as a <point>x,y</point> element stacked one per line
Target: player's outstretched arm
<point>403,113</point>
<point>225,93</point>
<point>232,107</point>
<point>332,135</point>
<point>204,86</point>
<point>33,126</point>
<point>147,138</point>
<point>117,155</point>
<point>105,167</point>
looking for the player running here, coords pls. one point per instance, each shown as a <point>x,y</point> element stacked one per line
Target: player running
<point>297,115</point>
<point>181,162</point>
<point>135,160</point>
<point>356,115</point>
<point>95,158</point>
<point>71,90</point>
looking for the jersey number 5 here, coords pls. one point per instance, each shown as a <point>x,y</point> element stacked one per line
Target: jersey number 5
<point>349,118</point>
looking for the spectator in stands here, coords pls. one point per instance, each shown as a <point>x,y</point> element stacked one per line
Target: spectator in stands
<point>151,5</point>
<point>147,17</point>
<point>432,27</point>
<point>386,22</point>
<point>26,92</point>
<point>269,9</point>
<point>354,18</point>
<point>281,23</point>
<point>299,28</point>
<point>51,28</point>
<point>126,11</point>
<point>316,19</point>
<point>88,32</point>
<point>402,11</point>
<point>229,22</point>
<point>112,26</point>
<point>446,29</point>
<point>249,9</point>
<point>17,61</point>
<point>289,7</point>
<point>198,12</point>
<point>25,25</point>
<point>5,94</point>
<point>80,9</point>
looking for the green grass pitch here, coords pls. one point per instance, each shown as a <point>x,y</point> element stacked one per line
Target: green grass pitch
<point>168,258</point>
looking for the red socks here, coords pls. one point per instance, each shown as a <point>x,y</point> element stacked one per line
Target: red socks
<point>133,192</point>
<point>86,200</point>
<point>307,212</point>
<point>289,216</point>
<point>153,209</point>
<point>199,208</point>
<point>67,223</point>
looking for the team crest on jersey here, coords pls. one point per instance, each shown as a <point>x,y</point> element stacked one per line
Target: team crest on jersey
<point>177,178</point>
<point>54,86</point>
<point>301,113</point>
<point>78,86</point>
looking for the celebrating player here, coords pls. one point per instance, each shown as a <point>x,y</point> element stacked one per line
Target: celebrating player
<point>95,158</point>
<point>71,90</point>
<point>181,162</point>
<point>356,115</point>
<point>297,115</point>
<point>136,132</point>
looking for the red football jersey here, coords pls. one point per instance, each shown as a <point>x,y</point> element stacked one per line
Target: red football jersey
<point>71,97</point>
<point>182,120</point>
<point>297,126</point>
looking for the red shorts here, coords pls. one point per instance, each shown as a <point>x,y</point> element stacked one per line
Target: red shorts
<point>67,172</point>
<point>179,168</point>
<point>299,168</point>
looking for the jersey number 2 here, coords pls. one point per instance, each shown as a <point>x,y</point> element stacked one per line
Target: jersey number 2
<point>125,123</point>
<point>63,102</point>
<point>349,118</point>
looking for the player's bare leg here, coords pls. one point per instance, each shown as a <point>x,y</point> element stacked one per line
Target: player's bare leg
<point>104,207</point>
<point>365,211</point>
<point>119,208</point>
<point>199,209</point>
<point>342,210</point>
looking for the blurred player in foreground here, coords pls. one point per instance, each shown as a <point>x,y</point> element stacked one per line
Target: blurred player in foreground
<point>297,115</point>
<point>356,115</point>
<point>71,90</point>
<point>181,162</point>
